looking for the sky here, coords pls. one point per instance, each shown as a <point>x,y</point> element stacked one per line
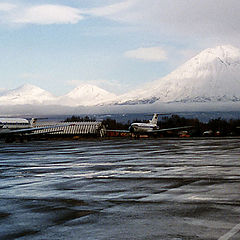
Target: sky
<point>118,45</point>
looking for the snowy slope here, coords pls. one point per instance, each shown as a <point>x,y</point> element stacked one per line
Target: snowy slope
<point>26,94</point>
<point>86,95</point>
<point>83,95</point>
<point>213,75</point>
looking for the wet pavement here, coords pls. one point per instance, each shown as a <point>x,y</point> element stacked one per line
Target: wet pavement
<point>166,189</point>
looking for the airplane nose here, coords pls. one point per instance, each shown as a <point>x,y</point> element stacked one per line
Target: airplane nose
<point>131,129</point>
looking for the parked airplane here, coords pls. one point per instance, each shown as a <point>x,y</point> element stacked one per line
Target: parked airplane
<point>10,128</point>
<point>150,127</point>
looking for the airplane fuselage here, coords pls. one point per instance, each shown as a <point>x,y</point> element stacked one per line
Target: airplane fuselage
<point>8,124</point>
<point>12,128</point>
<point>148,128</point>
<point>143,127</point>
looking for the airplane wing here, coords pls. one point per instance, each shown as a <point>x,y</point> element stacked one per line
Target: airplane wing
<point>171,129</point>
<point>43,133</point>
<point>120,131</point>
<point>32,129</point>
<point>153,131</point>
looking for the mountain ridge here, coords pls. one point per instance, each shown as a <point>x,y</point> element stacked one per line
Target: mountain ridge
<point>26,94</point>
<point>87,95</point>
<point>83,95</point>
<point>213,75</point>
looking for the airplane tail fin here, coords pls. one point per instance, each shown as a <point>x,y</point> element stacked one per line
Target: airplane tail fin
<point>33,121</point>
<point>154,119</point>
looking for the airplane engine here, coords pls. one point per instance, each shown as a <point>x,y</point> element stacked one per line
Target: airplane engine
<point>131,129</point>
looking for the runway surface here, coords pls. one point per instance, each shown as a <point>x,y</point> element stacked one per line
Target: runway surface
<point>121,189</point>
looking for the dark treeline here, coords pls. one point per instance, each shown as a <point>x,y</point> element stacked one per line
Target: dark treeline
<point>80,119</point>
<point>214,127</point>
<point>113,124</point>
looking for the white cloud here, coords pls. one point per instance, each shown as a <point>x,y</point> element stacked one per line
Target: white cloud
<point>110,10</point>
<point>202,18</point>
<point>58,14</point>
<point>5,7</point>
<point>48,14</point>
<point>155,54</point>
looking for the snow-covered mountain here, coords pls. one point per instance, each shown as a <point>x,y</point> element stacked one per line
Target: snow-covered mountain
<point>213,75</point>
<point>83,95</point>
<point>86,95</point>
<point>26,94</point>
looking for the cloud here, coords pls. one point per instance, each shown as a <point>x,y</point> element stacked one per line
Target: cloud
<point>208,18</point>
<point>48,14</point>
<point>56,14</point>
<point>110,10</point>
<point>155,54</point>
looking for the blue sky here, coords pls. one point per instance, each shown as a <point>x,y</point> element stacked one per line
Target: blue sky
<point>118,45</point>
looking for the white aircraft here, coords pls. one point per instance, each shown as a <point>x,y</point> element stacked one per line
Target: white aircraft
<point>150,127</point>
<point>10,128</point>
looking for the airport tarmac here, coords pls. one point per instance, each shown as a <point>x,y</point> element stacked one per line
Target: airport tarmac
<point>167,189</point>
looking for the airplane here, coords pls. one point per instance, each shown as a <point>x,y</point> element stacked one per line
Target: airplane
<point>148,128</point>
<point>12,128</point>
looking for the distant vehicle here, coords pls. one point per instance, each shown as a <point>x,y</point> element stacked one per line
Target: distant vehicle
<point>150,127</point>
<point>12,128</point>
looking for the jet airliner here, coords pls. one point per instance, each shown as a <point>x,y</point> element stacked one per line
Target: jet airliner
<point>149,127</point>
<point>10,128</point>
